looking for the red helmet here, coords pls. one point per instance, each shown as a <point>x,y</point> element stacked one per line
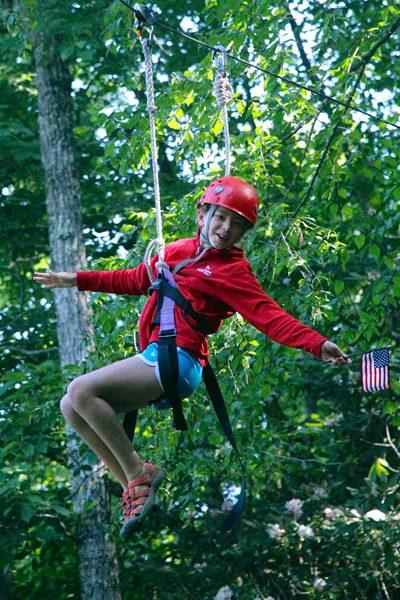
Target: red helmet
<point>235,194</point>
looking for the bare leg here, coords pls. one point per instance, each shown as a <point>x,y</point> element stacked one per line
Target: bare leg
<point>98,397</point>
<point>91,438</point>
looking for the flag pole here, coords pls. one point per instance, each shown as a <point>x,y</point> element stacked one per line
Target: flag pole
<point>361,353</point>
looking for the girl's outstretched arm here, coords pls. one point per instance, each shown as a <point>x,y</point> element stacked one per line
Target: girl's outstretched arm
<point>333,354</point>
<point>56,280</point>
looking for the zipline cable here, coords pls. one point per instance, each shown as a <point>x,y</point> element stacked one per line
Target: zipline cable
<point>267,71</point>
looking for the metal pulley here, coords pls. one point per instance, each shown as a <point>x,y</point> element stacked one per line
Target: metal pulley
<point>144,14</point>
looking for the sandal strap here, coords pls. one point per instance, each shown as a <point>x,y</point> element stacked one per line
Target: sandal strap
<point>139,501</point>
<point>139,481</point>
<point>136,511</point>
<point>145,477</point>
<point>126,499</point>
<point>140,493</point>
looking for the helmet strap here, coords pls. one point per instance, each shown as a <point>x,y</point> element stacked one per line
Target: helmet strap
<point>204,237</point>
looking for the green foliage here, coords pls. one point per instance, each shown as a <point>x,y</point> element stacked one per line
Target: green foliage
<point>326,250</point>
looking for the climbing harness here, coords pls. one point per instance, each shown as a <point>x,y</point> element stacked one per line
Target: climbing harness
<point>165,285</point>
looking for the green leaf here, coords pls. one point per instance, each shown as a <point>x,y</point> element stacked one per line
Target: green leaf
<point>338,287</point>
<point>359,240</point>
<point>217,128</point>
<point>190,98</point>
<point>26,512</point>
<point>375,251</point>
<point>173,124</point>
<point>347,212</point>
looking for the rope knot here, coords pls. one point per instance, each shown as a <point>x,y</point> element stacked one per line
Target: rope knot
<point>151,108</point>
<point>161,265</point>
<point>222,89</point>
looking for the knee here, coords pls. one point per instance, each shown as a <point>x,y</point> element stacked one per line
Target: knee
<point>77,396</point>
<point>66,407</point>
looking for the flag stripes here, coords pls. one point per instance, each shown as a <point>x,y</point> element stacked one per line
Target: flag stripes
<point>375,370</point>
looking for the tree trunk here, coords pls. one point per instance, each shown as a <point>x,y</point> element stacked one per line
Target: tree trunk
<point>97,557</point>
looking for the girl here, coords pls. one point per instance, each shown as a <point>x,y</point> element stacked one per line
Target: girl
<point>218,281</point>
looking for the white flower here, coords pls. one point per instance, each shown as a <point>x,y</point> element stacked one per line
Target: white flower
<point>274,531</point>
<point>329,514</point>
<point>305,531</point>
<point>375,515</point>
<point>224,593</point>
<point>319,493</point>
<point>319,584</point>
<point>356,516</point>
<point>294,506</point>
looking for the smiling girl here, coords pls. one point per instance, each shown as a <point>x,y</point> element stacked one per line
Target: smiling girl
<point>218,281</point>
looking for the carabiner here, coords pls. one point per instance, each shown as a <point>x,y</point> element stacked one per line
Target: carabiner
<point>220,60</point>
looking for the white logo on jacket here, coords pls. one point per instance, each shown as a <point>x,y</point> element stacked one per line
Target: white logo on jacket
<point>207,271</point>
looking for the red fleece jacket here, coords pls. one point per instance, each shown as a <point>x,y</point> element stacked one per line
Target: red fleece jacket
<point>218,285</point>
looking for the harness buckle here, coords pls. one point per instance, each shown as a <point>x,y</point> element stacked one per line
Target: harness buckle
<point>155,286</point>
<point>167,333</point>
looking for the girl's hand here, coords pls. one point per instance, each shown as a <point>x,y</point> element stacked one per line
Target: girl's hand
<point>333,354</point>
<point>56,280</point>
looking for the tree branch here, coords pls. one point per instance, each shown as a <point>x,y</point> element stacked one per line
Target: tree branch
<point>299,43</point>
<point>29,352</point>
<point>302,159</point>
<point>364,60</point>
<point>321,162</point>
<point>390,441</point>
<point>326,150</point>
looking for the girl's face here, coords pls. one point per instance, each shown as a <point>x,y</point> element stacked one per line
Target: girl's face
<point>226,227</point>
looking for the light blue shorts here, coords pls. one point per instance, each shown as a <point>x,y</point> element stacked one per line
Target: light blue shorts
<point>190,370</point>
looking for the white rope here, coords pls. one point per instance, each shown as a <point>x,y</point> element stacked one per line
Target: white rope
<point>223,93</point>
<point>151,109</point>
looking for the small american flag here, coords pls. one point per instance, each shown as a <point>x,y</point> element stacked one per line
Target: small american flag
<point>375,370</point>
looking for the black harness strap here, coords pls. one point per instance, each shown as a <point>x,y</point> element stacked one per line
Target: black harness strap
<point>217,399</point>
<point>129,423</point>
<point>169,372</point>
